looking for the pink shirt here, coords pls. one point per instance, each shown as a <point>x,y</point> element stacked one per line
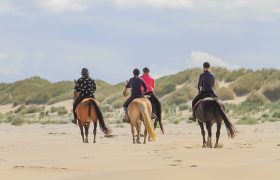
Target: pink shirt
<point>150,82</point>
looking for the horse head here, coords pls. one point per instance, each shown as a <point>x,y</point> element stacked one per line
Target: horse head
<point>126,91</point>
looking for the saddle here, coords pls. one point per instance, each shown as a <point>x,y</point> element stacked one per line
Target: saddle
<point>88,99</point>
<point>218,100</point>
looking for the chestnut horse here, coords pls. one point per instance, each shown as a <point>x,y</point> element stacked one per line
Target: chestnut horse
<point>88,111</point>
<point>140,110</point>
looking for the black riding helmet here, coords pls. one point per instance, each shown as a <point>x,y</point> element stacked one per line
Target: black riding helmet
<point>206,65</point>
<point>136,72</point>
<point>85,72</point>
<point>146,70</point>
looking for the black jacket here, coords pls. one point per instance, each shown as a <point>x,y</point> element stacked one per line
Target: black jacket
<point>86,86</point>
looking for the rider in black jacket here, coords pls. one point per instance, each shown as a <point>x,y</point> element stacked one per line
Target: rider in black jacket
<point>205,87</point>
<point>86,88</point>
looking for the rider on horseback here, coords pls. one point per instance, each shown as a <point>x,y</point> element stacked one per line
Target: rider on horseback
<point>150,82</point>
<point>136,85</point>
<point>85,88</point>
<point>205,87</point>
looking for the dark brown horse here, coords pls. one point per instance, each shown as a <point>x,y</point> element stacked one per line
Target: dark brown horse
<point>157,110</point>
<point>210,111</point>
<point>88,111</point>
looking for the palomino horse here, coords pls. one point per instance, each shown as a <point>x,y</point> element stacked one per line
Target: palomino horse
<point>88,111</point>
<point>209,111</point>
<point>140,110</point>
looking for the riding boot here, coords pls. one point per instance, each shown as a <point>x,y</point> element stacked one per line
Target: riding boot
<point>193,118</point>
<point>126,119</point>
<point>74,121</point>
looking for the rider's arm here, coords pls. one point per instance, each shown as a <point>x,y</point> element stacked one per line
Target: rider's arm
<point>154,84</point>
<point>93,85</point>
<point>144,85</point>
<point>213,82</point>
<point>199,85</point>
<point>128,84</point>
<point>77,86</point>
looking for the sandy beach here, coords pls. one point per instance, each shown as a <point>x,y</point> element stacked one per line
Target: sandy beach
<point>55,152</point>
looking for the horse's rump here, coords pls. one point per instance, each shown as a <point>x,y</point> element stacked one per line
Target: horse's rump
<point>213,99</point>
<point>141,109</point>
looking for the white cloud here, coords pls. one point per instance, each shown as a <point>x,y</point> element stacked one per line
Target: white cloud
<point>154,3</point>
<point>259,10</point>
<point>65,5</point>
<point>4,55</point>
<point>6,6</point>
<point>200,57</point>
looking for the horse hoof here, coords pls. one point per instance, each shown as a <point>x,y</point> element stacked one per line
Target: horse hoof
<point>94,142</point>
<point>139,143</point>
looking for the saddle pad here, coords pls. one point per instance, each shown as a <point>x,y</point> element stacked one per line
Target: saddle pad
<point>210,99</point>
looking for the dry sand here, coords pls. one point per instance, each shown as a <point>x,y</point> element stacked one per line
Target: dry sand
<point>55,152</point>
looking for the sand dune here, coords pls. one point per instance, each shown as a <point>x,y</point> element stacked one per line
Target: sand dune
<point>56,152</point>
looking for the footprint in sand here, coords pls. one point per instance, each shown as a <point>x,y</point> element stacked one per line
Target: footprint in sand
<point>39,167</point>
<point>278,145</point>
<point>2,160</point>
<point>193,166</point>
<point>186,147</point>
<point>174,165</point>
<point>167,158</point>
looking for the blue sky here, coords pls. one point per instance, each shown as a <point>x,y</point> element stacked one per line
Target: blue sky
<point>56,38</point>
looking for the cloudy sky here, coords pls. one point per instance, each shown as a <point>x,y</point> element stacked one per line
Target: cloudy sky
<point>56,38</point>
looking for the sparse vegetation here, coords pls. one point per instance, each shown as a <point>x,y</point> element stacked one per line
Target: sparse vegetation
<point>29,97</point>
<point>257,97</point>
<point>225,93</point>
<point>272,91</point>
<point>247,121</point>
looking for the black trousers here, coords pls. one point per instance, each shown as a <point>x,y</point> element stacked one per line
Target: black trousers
<point>202,95</point>
<point>129,100</point>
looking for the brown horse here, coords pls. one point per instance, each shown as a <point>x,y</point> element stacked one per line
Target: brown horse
<point>88,111</point>
<point>140,110</point>
<point>209,111</point>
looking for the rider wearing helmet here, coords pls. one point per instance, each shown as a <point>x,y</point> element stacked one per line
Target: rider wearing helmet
<point>205,87</point>
<point>136,84</point>
<point>85,88</point>
<point>150,82</point>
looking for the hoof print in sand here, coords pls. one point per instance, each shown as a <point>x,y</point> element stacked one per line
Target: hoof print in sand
<point>193,166</point>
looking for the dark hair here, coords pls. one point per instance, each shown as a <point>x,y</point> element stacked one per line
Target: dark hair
<point>206,65</point>
<point>85,72</point>
<point>146,70</point>
<point>136,72</point>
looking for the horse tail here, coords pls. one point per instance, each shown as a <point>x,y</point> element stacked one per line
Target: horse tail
<point>101,120</point>
<point>231,130</point>
<point>147,122</point>
<point>158,111</point>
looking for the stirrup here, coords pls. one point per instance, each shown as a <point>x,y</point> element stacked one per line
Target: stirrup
<point>126,119</point>
<point>192,118</point>
<point>74,121</point>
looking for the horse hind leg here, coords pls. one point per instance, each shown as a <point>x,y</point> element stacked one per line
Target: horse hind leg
<point>86,126</point>
<point>94,132</point>
<point>209,129</point>
<point>138,129</point>
<point>132,132</point>
<point>218,134</point>
<point>82,132</point>
<point>203,134</point>
<point>145,136</point>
